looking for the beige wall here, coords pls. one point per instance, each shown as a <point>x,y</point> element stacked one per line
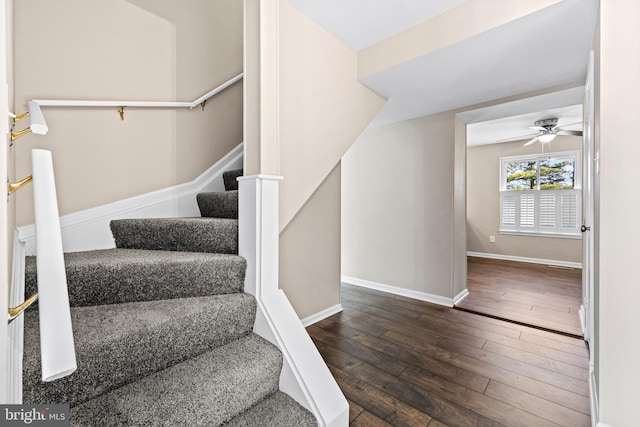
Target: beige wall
<point>311,109</point>
<point>127,50</point>
<point>322,107</point>
<point>397,205</point>
<point>617,89</point>
<point>310,251</point>
<point>251,87</point>
<point>208,51</point>
<point>483,205</point>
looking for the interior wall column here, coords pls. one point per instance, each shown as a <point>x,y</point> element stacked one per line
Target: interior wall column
<point>459,225</point>
<point>261,88</point>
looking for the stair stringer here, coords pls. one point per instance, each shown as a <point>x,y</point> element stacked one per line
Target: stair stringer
<point>305,376</point>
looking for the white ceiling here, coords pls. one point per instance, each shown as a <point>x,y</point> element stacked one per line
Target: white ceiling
<point>361,23</point>
<point>492,131</point>
<point>541,50</point>
<point>490,124</point>
<point>544,49</point>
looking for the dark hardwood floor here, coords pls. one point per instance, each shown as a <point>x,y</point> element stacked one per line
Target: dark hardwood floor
<point>404,362</point>
<point>534,294</point>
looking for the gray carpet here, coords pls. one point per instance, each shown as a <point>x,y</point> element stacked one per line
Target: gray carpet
<point>203,391</point>
<point>114,276</point>
<point>230,179</point>
<point>218,205</point>
<point>120,343</point>
<point>163,329</point>
<point>213,235</point>
<point>279,410</point>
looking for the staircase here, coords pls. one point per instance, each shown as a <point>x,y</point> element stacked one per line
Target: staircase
<point>163,329</point>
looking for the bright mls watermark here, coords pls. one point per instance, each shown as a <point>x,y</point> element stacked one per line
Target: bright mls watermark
<point>35,415</point>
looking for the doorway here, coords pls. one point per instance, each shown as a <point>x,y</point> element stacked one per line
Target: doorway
<point>525,275</point>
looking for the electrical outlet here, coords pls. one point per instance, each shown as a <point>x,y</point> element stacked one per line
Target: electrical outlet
<point>492,239</point>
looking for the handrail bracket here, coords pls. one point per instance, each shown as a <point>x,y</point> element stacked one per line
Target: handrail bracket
<point>12,187</point>
<point>18,310</point>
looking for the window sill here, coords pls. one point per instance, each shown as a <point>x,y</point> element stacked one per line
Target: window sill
<point>538,234</point>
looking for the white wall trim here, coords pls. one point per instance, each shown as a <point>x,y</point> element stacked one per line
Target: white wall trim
<point>321,315</point>
<point>305,376</point>
<point>460,296</point>
<point>593,398</point>
<point>16,328</point>
<point>525,259</point>
<point>583,321</point>
<point>539,234</point>
<point>89,229</point>
<point>409,293</point>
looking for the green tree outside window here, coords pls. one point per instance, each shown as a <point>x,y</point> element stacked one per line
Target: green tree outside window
<point>547,174</point>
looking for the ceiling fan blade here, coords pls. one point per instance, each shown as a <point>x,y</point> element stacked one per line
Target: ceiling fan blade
<point>518,138</point>
<point>570,124</point>
<point>570,132</point>
<point>531,142</point>
<point>537,128</point>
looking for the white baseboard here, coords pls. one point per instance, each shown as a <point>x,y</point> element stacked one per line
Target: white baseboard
<point>321,315</point>
<point>583,320</point>
<point>422,296</point>
<point>89,229</point>
<point>460,296</point>
<point>525,259</point>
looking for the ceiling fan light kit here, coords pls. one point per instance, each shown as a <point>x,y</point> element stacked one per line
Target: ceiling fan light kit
<point>547,137</point>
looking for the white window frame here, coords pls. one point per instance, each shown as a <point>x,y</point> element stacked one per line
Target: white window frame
<point>546,213</point>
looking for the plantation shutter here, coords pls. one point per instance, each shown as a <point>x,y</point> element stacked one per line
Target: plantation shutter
<point>527,210</point>
<point>570,210</point>
<point>547,210</point>
<point>541,211</point>
<point>508,210</point>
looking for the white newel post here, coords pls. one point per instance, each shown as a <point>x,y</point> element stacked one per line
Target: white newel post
<point>258,239</point>
<point>305,376</point>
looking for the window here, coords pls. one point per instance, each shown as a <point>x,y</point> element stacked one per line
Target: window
<point>540,195</point>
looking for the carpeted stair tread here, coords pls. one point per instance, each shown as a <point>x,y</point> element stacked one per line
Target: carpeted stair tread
<point>120,343</point>
<point>177,234</point>
<point>218,205</point>
<point>277,410</point>
<point>230,179</point>
<point>113,276</point>
<point>204,391</point>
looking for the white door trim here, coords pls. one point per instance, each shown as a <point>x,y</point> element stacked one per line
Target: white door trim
<point>4,255</point>
<point>588,207</point>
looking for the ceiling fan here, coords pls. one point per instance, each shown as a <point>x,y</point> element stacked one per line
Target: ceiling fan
<point>547,130</point>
